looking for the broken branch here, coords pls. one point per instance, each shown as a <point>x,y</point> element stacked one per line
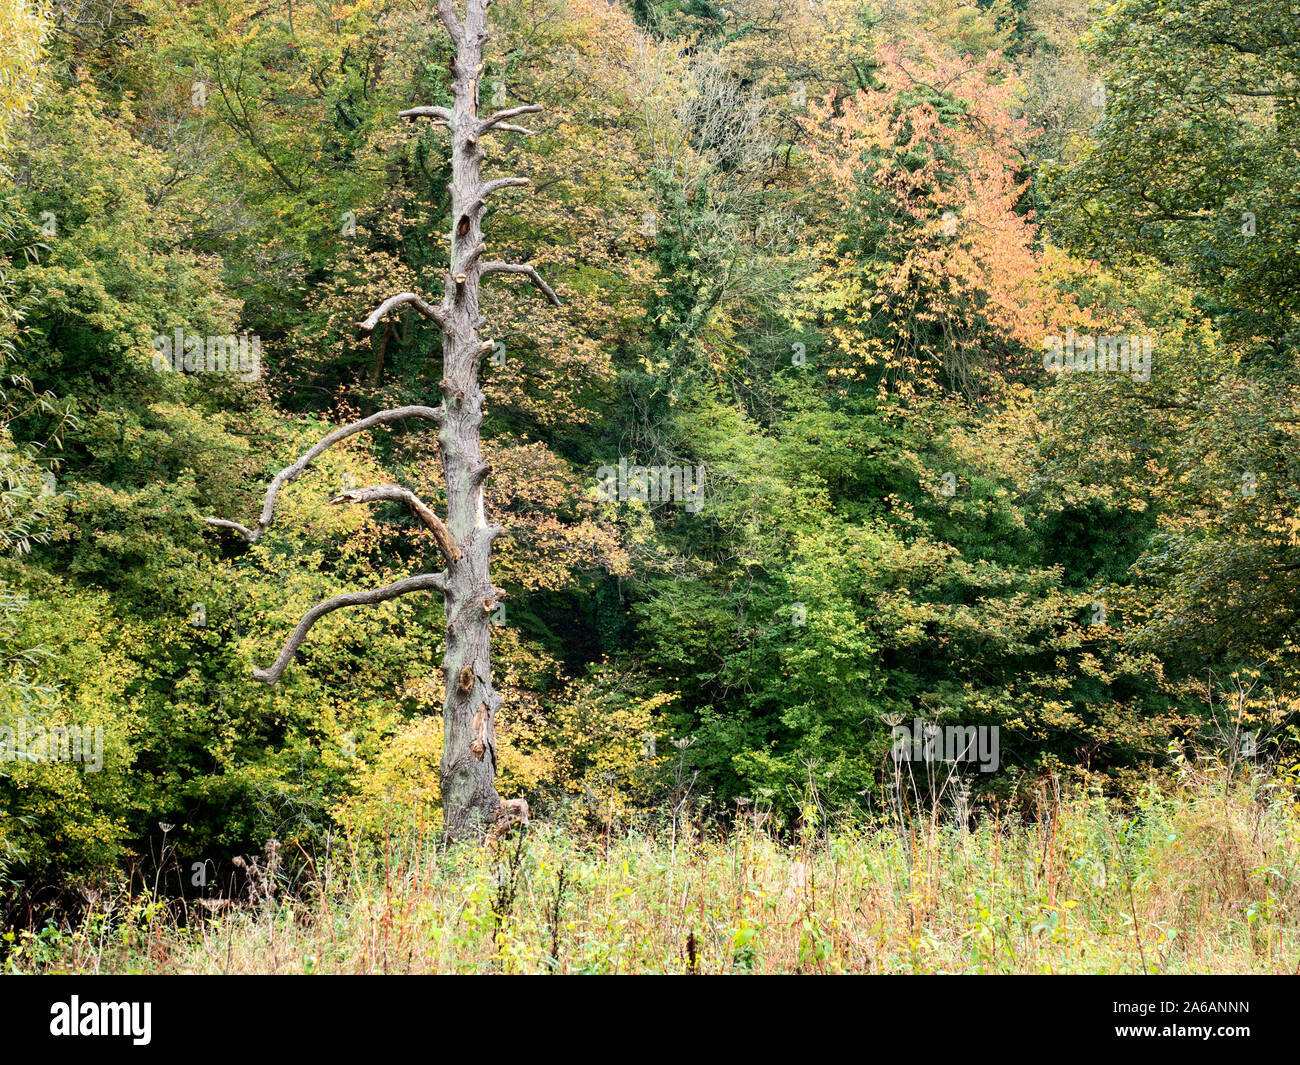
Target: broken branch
<point>441,115</point>
<point>292,473</point>
<point>472,258</point>
<point>506,127</point>
<point>502,183</point>
<point>399,494</point>
<point>419,303</point>
<point>423,583</point>
<point>522,268</point>
<point>496,120</point>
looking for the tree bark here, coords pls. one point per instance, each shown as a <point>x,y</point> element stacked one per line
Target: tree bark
<point>470,801</point>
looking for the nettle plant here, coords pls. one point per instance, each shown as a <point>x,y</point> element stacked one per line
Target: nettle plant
<point>471,806</point>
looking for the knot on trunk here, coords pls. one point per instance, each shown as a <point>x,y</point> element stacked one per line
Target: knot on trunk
<point>479,745</point>
<point>510,813</point>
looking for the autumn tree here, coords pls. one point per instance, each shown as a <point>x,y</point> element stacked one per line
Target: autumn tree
<point>1197,137</point>
<point>471,805</point>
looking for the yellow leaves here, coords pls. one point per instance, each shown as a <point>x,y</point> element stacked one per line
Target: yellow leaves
<point>604,735</point>
<point>22,27</point>
<point>535,487</point>
<point>402,783</point>
<point>596,741</point>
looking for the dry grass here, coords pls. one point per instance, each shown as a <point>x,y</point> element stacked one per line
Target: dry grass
<point>1206,879</point>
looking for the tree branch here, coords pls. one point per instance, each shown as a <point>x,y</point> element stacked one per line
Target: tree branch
<point>506,127</point>
<point>423,583</point>
<point>496,119</point>
<point>468,262</point>
<point>399,494</point>
<point>447,13</point>
<point>419,303</point>
<point>522,268</point>
<point>441,116</point>
<point>502,183</point>
<point>292,473</point>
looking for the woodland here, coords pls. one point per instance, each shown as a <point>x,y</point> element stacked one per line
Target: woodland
<point>710,394</point>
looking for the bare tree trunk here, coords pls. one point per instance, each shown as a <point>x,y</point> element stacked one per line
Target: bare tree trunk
<point>469,796</point>
<point>470,802</point>
<point>471,805</point>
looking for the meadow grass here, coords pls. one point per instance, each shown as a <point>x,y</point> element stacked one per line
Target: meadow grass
<point>1203,877</point>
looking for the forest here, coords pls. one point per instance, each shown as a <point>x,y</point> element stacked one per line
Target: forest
<point>848,495</point>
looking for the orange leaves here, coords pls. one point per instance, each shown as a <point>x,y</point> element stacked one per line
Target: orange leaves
<point>554,530</point>
<point>936,274</point>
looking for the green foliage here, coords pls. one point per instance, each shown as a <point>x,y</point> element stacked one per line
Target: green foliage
<point>1192,158</point>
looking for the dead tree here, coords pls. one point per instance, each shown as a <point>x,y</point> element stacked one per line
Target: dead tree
<point>471,806</point>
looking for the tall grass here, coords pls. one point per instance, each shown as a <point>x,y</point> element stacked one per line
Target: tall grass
<point>1203,877</point>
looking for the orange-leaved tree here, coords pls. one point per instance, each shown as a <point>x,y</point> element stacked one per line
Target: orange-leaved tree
<point>929,274</point>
